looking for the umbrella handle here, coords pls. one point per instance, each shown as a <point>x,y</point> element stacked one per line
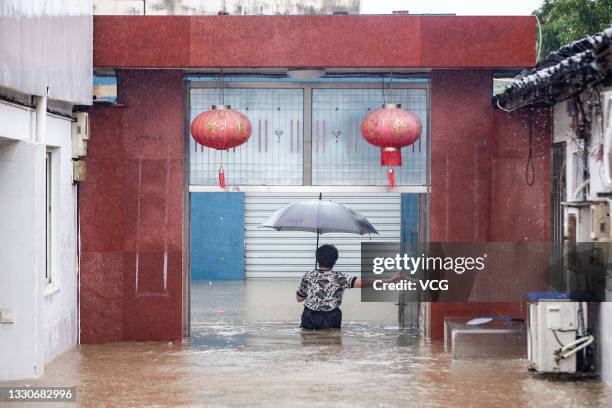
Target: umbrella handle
<point>318,232</point>
<point>317,247</point>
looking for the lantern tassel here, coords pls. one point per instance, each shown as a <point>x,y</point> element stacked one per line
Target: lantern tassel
<point>391,175</point>
<point>221,178</point>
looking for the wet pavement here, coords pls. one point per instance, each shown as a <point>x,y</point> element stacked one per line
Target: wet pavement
<point>246,350</point>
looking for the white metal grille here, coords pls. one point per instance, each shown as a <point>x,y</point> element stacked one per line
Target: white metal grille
<point>285,254</point>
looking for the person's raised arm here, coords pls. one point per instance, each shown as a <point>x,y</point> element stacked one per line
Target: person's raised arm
<point>367,283</point>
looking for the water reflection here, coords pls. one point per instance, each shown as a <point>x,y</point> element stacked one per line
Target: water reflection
<point>247,350</point>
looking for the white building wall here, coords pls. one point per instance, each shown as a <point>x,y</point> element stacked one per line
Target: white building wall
<point>563,132</point>
<point>44,317</point>
<point>46,48</point>
<point>60,324</point>
<point>21,264</point>
<point>605,308</point>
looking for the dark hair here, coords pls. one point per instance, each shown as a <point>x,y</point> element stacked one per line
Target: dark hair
<point>327,255</point>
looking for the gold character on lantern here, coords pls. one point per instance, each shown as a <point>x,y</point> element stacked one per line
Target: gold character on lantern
<point>238,127</point>
<point>399,127</point>
<point>213,126</point>
<point>370,125</point>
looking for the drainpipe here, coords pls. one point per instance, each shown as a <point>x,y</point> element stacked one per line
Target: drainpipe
<point>41,118</point>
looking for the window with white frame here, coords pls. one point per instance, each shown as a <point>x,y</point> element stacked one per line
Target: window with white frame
<point>49,217</point>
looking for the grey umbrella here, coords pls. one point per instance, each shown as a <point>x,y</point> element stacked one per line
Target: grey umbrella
<point>320,216</point>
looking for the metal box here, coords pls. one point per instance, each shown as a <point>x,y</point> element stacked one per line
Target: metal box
<point>78,170</point>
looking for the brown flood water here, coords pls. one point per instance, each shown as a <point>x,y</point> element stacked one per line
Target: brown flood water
<point>246,350</point>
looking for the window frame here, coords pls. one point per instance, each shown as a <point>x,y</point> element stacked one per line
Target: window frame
<point>49,216</point>
<point>307,88</point>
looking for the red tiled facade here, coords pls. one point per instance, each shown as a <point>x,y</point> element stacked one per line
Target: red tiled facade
<point>478,187</point>
<point>314,41</point>
<point>478,153</point>
<point>131,237</point>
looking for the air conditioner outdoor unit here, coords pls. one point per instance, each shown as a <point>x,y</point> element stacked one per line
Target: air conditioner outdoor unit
<point>556,338</point>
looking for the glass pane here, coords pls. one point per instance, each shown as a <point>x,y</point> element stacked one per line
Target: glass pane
<point>340,155</point>
<point>272,156</point>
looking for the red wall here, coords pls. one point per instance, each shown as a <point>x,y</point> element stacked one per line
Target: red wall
<point>131,203</point>
<point>132,200</point>
<point>479,192</point>
<point>131,213</point>
<point>315,41</point>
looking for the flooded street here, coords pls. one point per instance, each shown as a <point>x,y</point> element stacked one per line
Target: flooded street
<point>247,350</point>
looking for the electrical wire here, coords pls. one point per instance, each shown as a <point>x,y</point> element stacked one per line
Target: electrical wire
<point>512,109</point>
<point>557,338</point>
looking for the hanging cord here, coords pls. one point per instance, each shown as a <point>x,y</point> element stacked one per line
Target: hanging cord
<point>222,89</point>
<point>529,168</point>
<point>382,78</point>
<point>219,88</point>
<point>391,88</point>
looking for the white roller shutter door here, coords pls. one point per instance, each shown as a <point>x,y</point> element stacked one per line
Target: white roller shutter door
<point>288,254</point>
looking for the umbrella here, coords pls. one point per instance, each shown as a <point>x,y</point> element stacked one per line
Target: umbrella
<point>320,216</point>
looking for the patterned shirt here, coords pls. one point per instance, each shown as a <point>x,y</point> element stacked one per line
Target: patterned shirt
<point>323,290</point>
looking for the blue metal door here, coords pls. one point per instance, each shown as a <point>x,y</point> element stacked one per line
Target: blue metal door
<point>217,236</point>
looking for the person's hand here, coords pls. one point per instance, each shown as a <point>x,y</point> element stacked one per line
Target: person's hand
<point>400,276</point>
<point>396,278</point>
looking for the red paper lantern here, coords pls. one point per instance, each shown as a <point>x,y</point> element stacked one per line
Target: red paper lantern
<point>221,128</point>
<point>391,128</point>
